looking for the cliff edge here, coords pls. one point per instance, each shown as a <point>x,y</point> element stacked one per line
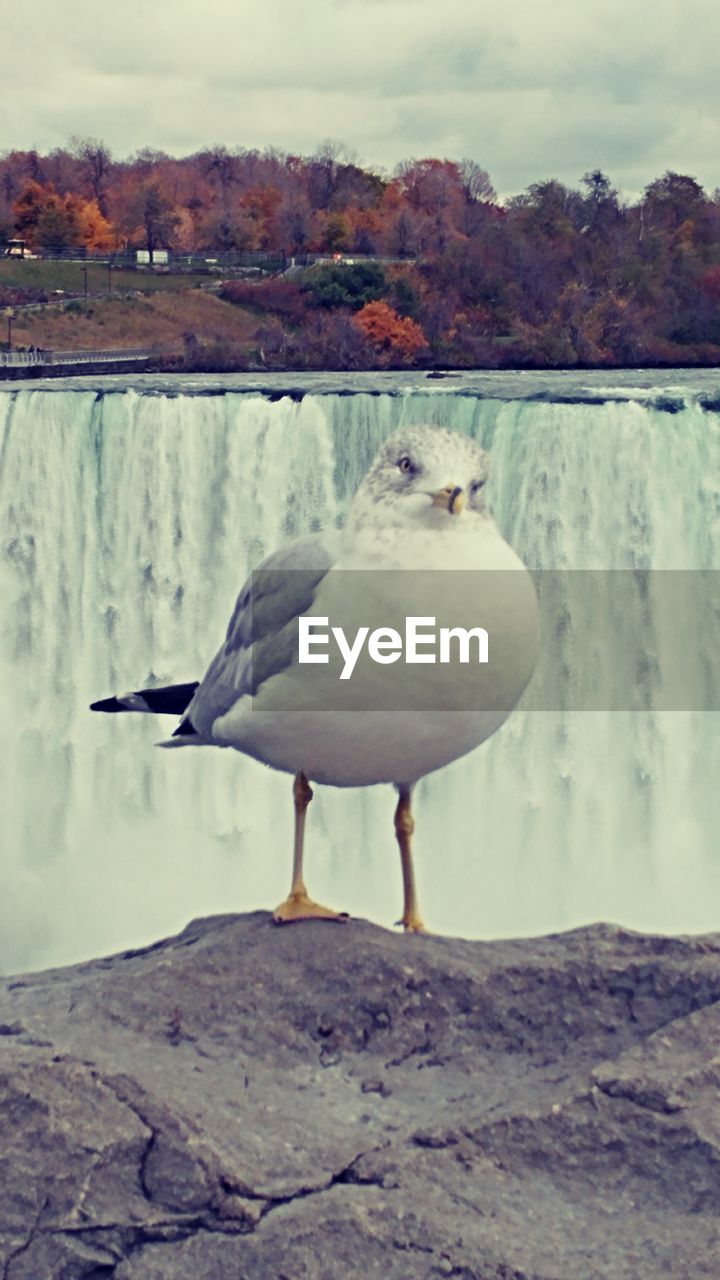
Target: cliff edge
<point>331,1102</point>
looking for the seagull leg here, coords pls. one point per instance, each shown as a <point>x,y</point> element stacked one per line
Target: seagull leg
<point>297,905</point>
<point>411,920</point>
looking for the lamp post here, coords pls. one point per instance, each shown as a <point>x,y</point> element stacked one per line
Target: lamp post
<point>109,267</point>
<point>85,271</point>
<point>10,317</point>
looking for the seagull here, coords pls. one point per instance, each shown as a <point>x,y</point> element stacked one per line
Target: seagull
<point>419,546</point>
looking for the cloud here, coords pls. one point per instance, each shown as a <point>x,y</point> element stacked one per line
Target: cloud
<point>529,91</point>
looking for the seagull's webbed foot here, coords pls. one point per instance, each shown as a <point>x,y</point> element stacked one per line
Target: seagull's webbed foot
<point>297,906</point>
<point>412,923</point>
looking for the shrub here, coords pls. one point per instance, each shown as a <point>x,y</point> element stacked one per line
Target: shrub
<point>398,338</point>
<point>278,297</point>
<point>11,296</point>
<point>350,285</point>
<point>214,357</point>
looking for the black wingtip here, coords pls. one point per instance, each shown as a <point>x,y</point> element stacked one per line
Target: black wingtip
<point>108,704</point>
<point>168,700</point>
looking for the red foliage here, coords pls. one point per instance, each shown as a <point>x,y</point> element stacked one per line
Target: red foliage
<point>711,284</point>
<point>279,297</point>
<point>399,337</point>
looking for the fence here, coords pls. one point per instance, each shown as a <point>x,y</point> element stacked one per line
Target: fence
<point>12,359</point>
<point>209,259</point>
<point>269,260</point>
<point>16,359</point>
<point>98,357</point>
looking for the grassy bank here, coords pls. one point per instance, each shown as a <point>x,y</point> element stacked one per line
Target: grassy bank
<point>167,320</point>
<point>69,277</point>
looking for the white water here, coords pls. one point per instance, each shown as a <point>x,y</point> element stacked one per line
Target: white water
<point>128,523</point>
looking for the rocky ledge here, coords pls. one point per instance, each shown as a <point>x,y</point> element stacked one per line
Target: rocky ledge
<point>331,1102</point>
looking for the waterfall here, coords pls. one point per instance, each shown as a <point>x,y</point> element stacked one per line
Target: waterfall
<point>128,522</point>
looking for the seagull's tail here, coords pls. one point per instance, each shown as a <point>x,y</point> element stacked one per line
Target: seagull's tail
<point>170,700</point>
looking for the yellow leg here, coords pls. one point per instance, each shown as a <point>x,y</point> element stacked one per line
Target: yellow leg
<point>411,920</point>
<point>297,905</point>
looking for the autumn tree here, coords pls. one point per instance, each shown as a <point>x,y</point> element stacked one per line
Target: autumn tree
<point>45,218</point>
<point>475,183</point>
<point>61,170</point>
<point>323,172</point>
<point>674,199</point>
<point>221,165</point>
<point>223,223</point>
<point>357,188</point>
<point>28,208</point>
<point>147,161</point>
<point>430,185</point>
<point>293,224</point>
<point>478,194</point>
<point>398,338</point>
<point>365,229</point>
<point>96,162</point>
<point>336,234</point>
<point>155,212</point>
<point>57,225</point>
<point>548,209</point>
<point>404,232</point>
<point>332,340</point>
<point>8,189</point>
<point>93,229</point>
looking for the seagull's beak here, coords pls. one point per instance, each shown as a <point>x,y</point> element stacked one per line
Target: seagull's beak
<point>451,498</point>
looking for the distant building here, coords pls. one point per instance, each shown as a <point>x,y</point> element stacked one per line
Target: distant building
<point>16,249</point>
<point>159,257</point>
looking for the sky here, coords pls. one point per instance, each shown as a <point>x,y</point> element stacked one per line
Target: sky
<point>530,89</point>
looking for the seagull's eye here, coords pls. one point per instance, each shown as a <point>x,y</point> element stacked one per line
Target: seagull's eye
<point>405,463</point>
<point>476,486</point>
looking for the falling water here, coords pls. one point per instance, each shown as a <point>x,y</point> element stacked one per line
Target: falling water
<point>128,522</point>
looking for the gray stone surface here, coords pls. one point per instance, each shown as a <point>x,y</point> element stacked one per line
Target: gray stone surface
<point>329,1102</point>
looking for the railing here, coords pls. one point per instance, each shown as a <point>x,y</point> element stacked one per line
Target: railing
<point>12,359</point>
<point>207,259</point>
<point>16,359</point>
<point>127,258</point>
<point>98,357</point>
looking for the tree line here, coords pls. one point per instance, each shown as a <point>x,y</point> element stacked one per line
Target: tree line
<point>555,276</point>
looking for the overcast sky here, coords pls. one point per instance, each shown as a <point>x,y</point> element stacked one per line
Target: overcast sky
<point>531,89</point>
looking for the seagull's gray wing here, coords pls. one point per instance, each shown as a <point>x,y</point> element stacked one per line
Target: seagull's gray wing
<point>262,634</point>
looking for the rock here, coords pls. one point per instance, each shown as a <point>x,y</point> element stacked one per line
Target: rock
<point>325,1103</point>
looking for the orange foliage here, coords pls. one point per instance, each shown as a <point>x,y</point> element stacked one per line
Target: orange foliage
<point>43,216</point>
<point>28,208</point>
<point>261,207</point>
<point>397,336</point>
<point>185,230</point>
<point>94,230</point>
<point>366,229</point>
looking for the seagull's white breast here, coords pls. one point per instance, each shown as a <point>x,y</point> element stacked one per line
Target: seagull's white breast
<point>395,723</point>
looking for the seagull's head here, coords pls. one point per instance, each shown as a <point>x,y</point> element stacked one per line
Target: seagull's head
<point>430,473</point>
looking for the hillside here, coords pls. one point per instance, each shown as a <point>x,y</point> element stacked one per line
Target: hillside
<point>167,320</point>
<point>556,276</point>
